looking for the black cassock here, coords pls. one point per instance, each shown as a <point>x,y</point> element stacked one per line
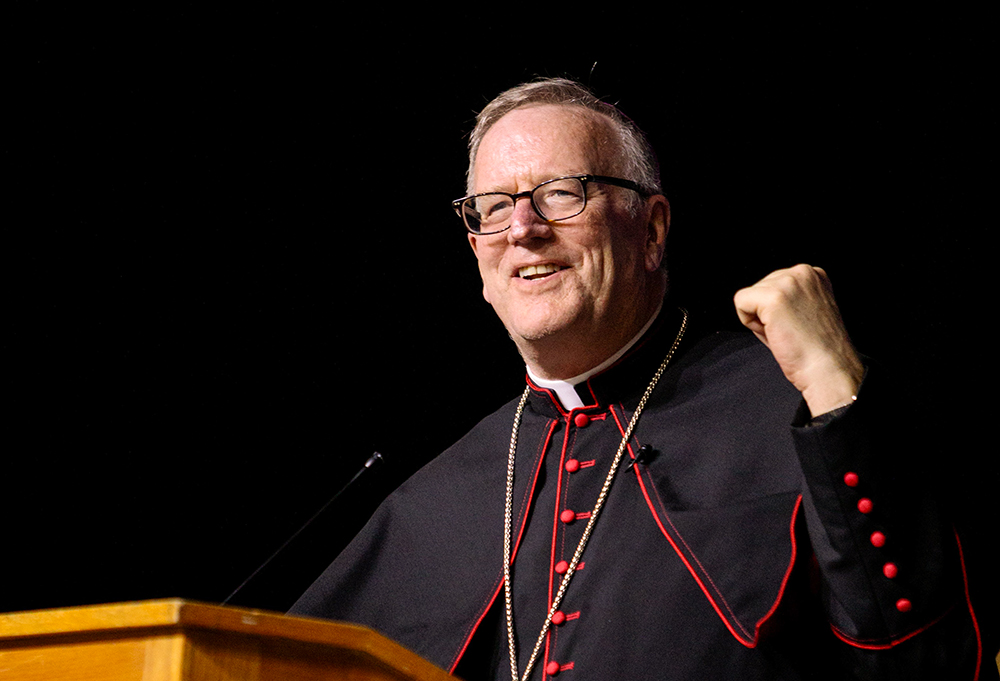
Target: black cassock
<point>745,548</point>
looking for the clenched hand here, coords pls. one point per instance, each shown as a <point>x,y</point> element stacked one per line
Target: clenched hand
<point>793,312</point>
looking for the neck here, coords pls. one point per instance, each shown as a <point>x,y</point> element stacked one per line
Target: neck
<point>558,358</point>
<point>565,389</point>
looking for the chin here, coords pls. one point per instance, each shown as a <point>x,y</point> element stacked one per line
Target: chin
<point>544,319</point>
<point>533,336</point>
<point>538,330</point>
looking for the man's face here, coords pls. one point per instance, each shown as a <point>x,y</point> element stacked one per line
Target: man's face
<point>582,280</point>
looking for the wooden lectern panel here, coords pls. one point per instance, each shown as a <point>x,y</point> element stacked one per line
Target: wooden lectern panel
<point>175,640</point>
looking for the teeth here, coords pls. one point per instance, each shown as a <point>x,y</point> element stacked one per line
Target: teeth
<point>537,271</point>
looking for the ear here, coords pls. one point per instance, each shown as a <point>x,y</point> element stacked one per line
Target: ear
<point>657,226</point>
<point>475,249</point>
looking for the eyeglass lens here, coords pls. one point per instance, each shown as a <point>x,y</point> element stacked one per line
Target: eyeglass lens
<point>554,200</point>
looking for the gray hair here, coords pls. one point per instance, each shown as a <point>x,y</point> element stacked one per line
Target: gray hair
<point>638,160</point>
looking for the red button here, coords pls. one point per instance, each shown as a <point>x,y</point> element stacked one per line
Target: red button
<point>581,420</point>
<point>572,466</point>
<point>851,479</point>
<point>558,617</point>
<point>865,505</point>
<point>567,516</point>
<point>890,570</point>
<point>552,668</point>
<point>561,567</point>
<point>878,539</point>
<point>904,605</point>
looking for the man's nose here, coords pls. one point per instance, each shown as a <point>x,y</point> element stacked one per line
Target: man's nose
<point>526,223</point>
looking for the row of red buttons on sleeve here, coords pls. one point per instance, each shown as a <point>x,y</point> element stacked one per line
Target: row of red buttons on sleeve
<point>865,505</point>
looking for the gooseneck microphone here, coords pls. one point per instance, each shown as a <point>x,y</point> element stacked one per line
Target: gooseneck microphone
<point>372,461</point>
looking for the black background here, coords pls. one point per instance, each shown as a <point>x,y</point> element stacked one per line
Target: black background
<point>233,273</point>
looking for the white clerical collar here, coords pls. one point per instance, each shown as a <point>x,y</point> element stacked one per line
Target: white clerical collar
<point>566,391</point>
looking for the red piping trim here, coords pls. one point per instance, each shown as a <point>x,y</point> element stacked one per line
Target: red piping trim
<point>895,642</point>
<point>555,399</point>
<point>468,639</point>
<point>677,550</point>
<point>530,492</point>
<point>555,529</point>
<point>745,639</point>
<point>788,570</point>
<point>552,397</point>
<point>859,643</point>
<point>968,601</point>
<point>517,543</point>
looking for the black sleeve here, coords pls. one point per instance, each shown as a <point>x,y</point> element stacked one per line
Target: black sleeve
<point>893,576</point>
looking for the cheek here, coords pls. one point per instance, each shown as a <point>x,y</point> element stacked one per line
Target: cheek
<point>486,287</point>
<point>610,259</point>
<point>489,272</point>
<point>630,250</point>
<point>489,263</point>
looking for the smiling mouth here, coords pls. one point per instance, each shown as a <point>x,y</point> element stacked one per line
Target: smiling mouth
<point>538,271</point>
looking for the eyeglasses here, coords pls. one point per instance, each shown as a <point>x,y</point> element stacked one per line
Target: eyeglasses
<point>553,200</point>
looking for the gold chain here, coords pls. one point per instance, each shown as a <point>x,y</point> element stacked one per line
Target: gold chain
<point>590,523</point>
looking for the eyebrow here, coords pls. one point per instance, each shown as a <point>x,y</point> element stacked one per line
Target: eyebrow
<point>499,190</point>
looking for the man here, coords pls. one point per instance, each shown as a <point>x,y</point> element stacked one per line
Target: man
<point>661,519</point>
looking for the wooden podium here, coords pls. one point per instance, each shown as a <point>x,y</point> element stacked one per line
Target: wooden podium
<point>175,640</point>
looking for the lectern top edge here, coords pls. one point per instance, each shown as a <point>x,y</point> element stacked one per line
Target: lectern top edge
<point>237,636</point>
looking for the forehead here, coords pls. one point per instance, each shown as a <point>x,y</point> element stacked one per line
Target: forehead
<point>536,143</point>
